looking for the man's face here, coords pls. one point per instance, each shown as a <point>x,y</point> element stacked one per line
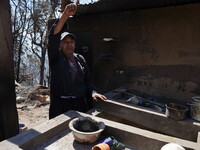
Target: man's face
<point>67,45</point>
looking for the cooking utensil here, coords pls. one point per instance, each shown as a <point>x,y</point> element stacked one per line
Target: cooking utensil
<point>195,108</point>
<point>176,111</point>
<point>196,99</point>
<point>195,111</point>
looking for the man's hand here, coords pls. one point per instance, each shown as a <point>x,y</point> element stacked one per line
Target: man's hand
<point>70,9</point>
<point>97,95</point>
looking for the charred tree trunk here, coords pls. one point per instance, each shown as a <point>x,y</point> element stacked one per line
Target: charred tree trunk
<point>18,63</point>
<point>42,67</point>
<point>8,112</point>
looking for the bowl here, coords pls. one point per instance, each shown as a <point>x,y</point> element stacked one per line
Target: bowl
<point>172,146</point>
<point>86,129</point>
<point>176,111</point>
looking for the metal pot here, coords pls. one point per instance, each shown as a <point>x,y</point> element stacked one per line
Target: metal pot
<point>195,108</point>
<point>195,111</point>
<point>176,111</point>
<point>196,99</point>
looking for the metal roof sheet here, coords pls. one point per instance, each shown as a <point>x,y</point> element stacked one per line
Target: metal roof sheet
<point>103,6</point>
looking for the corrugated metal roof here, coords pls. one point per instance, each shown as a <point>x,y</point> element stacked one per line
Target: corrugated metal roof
<point>103,6</point>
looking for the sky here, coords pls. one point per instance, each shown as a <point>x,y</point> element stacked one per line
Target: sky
<point>87,1</point>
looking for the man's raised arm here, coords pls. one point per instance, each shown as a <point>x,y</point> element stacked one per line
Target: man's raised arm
<point>69,10</point>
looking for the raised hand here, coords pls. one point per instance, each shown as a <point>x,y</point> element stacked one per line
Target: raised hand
<point>70,9</point>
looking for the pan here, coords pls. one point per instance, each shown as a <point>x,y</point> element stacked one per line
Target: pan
<point>176,111</point>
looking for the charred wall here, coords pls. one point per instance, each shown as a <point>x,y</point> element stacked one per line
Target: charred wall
<point>155,51</point>
<point>8,112</point>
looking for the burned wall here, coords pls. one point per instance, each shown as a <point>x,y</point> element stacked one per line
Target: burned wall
<point>8,111</point>
<point>155,51</point>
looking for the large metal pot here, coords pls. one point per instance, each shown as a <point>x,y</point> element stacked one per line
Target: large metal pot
<point>195,111</point>
<point>176,111</point>
<point>195,108</point>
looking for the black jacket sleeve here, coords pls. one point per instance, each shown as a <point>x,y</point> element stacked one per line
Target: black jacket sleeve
<point>54,42</point>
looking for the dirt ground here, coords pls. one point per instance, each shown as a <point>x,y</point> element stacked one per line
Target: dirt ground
<point>32,106</point>
<point>31,117</point>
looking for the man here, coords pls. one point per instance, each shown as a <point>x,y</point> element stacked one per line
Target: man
<point>70,76</point>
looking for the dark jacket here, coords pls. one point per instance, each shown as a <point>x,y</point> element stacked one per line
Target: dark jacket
<point>61,81</point>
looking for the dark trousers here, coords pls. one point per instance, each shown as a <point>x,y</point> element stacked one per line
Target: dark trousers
<point>60,105</point>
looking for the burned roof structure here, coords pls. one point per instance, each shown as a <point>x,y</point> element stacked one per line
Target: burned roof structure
<point>103,6</point>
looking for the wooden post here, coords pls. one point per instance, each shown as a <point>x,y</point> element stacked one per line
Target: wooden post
<point>8,112</point>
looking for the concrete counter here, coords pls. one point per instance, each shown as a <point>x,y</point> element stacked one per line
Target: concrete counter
<point>148,119</point>
<point>55,134</point>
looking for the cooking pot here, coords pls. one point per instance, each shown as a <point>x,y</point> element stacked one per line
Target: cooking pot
<point>176,111</point>
<point>195,111</point>
<point>195,108</point>
<point>196,99</point>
